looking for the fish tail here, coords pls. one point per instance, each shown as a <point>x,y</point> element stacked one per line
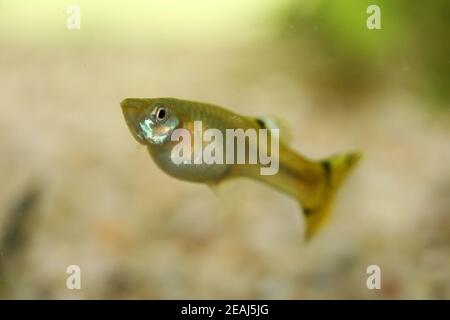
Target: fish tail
<point>336,168</point>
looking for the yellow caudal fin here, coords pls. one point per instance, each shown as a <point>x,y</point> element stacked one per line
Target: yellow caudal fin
<point>336,169</point>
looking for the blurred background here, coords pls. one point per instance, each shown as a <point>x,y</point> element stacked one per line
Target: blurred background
<point>76,189</point>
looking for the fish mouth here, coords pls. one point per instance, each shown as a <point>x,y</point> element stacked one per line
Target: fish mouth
<point>139,122</point>
<point>134,104</point>
<point>132,109</point>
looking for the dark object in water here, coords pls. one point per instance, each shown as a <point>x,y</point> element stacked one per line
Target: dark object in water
<point>14,232</point>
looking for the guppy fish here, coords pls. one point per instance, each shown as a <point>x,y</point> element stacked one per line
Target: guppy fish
<point>312,183</point>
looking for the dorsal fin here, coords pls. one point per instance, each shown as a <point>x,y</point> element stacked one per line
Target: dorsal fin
<point>274,122</point>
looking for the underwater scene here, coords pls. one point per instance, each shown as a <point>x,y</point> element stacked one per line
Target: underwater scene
<point>343,191</point>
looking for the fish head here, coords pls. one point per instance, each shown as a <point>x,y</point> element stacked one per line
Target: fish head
<point>151,121</point>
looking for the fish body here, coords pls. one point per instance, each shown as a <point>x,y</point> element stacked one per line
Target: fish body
<point>313,183</point>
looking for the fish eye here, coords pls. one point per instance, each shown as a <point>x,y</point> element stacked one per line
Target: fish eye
<point>160,113</point>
